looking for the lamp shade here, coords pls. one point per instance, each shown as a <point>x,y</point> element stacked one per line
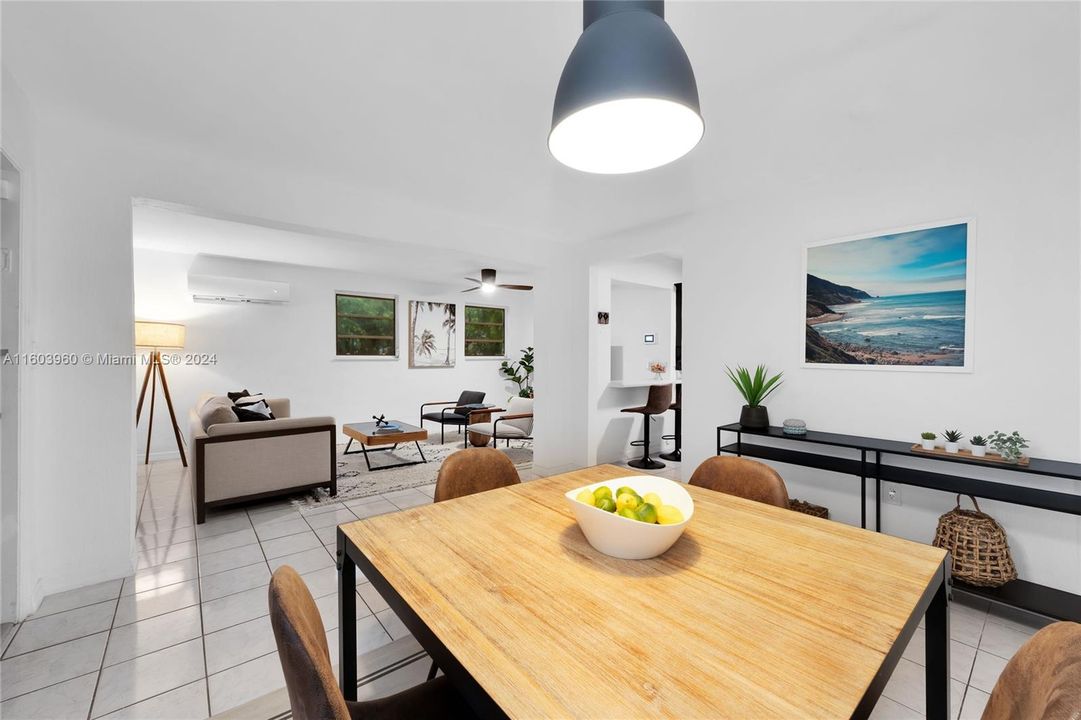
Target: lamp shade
<point>627,100</point>
<point>159,334</point>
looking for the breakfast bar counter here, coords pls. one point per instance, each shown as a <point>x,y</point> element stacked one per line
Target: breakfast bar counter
<point>756,611</point>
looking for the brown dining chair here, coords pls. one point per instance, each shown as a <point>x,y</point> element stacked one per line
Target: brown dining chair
<point>1043,680</point>
<point>472,471</point>
<point>739,476</point>
<point>657,402</point>
<point>309,676</point>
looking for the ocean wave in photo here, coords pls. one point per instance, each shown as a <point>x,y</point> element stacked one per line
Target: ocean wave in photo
<point>924,323</point>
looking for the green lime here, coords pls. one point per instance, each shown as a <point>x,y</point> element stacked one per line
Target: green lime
<point>628,513</point>
<point>625,489</point>
<point>646,513</point>
<point>603,492</point>
<point>607,504</point>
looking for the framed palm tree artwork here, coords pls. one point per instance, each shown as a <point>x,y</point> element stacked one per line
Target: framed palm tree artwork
<point>432,327</point>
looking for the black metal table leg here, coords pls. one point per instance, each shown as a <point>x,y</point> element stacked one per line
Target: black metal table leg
<point>878,491</point>
<point>347,620</point>
<point>863,489</point>
<point>422,458</point>
<point>937,648</point>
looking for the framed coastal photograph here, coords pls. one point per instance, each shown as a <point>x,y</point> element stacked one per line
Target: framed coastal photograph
<point>899,300</point>
<point>432,327</point>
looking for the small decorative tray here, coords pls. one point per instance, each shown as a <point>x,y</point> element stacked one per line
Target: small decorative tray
<point>990,458</point>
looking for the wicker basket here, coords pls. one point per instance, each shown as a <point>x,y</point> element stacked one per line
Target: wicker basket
<point>809,508</point>
<point>977,546</point>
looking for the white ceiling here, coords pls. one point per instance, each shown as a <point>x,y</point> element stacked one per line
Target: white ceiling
<point>449,103</point>
<point>168,229</point>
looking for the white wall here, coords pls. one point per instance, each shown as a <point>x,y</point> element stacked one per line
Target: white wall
<point>288,350</point>
<point>636,311</point>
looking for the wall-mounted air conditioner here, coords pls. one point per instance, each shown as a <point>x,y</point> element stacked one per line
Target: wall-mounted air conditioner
<point>215,288</point>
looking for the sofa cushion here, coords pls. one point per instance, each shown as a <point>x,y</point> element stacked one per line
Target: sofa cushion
<point>217,410</point>
<point>234,396</point>
<point>253,413</point>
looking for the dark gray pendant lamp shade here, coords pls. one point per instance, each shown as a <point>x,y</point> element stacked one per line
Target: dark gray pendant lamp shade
<point>627,100</point>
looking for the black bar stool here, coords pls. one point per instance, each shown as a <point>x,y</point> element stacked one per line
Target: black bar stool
<point>675,455</point>
<point>660,398</point>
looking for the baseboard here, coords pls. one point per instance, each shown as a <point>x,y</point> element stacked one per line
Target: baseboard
<point>161,455</point>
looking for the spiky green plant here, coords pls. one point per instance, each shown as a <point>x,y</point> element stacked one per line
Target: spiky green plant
<point>754,388</point>
<point>952,435</point>
<point>978,440</point>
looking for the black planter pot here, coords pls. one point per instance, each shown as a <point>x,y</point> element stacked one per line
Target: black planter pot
<point>754,417</point>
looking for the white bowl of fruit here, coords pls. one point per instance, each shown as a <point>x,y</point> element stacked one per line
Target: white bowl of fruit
<point>634,517</point>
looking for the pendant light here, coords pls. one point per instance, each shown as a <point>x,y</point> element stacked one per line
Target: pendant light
<point>627,100</point>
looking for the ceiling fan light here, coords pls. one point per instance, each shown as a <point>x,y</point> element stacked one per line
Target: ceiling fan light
<point>627,100</point>
<point>487,288</point>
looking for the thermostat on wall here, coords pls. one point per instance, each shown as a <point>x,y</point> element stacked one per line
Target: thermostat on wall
<point>650,339</point>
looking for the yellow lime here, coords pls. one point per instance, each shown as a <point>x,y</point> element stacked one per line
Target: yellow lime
<point>625,489</point>
<point>626,500</point>
<point>586,497</point>
<point>628,513</point>
<point>646,513</point>
<point>607,504</point>
<point>602,492</point>
<point>669,515</point>
<point>653,499</point>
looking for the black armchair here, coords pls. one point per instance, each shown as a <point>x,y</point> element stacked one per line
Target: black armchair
<point>456,414</point>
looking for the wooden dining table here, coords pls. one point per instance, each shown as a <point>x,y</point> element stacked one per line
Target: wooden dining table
<point>755,612</point>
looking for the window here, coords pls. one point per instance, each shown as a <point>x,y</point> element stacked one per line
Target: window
<point>484,331</point>
<point>365,326</point>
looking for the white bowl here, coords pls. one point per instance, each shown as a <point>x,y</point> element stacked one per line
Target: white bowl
<point>630,539</point>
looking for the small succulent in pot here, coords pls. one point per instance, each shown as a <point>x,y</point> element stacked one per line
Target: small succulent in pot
<point>1010,447</point>
<point>953,439</point>
<point>928,440</point>
<point>979,445</point>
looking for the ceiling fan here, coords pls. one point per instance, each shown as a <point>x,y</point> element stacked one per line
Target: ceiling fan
<point>487,283</point>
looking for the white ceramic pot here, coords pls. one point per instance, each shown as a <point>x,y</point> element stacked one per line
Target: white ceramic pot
<point>630,539</point>
<point>952,447</point>
<point>928,444</point>
<point>979,450</point>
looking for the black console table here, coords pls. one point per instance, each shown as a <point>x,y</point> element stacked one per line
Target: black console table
<point>873,464</point>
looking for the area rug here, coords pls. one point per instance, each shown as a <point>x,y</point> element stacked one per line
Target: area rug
<point>355,481</point>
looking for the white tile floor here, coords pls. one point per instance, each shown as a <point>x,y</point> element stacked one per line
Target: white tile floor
<point>188,635</point>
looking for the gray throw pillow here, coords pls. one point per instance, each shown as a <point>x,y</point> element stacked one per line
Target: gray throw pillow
<point>217,410</point>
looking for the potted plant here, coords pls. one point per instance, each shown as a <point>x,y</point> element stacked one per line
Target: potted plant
<point>979,445</point>
<point>928,440</point>
<point>520,373</point>
<point>1010,446</point>
<point>754,389</point>
<point>953,439</point>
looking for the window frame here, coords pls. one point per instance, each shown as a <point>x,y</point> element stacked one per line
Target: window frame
<point>375,296</point>
<point>465,336</point>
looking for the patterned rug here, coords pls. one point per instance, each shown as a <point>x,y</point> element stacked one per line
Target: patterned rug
<point>356,481</point>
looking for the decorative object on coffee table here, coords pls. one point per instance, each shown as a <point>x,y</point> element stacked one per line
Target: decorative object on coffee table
<point>373,438</point>
<point>927,440</point>
<point>1009,447</point>
<point>794,426</point>
<point>977,545</point>
<point>157,335</point>
<point>953,439</point>
<point>754,389</point>
<point>979,445</point>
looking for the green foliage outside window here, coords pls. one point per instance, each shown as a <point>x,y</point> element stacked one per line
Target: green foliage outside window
<point>485,331</point>
<point>365,326</point>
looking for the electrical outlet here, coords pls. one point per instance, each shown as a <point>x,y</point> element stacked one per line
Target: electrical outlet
<point>891,494</point>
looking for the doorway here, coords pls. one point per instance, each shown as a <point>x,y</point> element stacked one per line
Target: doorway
<point>10,231</point>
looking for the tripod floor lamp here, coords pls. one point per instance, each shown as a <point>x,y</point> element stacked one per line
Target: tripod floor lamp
<point>157,335</point>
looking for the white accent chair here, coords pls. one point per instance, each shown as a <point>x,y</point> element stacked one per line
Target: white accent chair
<point>515,424</point>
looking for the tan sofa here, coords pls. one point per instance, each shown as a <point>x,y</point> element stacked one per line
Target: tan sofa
<point>236,462</point>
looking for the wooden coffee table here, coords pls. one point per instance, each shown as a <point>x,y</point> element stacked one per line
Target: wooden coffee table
<point>370,440</point>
